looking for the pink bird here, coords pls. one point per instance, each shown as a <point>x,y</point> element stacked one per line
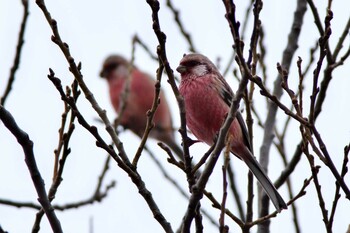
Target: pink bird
<point>207,99</point>
<point>139,100</point>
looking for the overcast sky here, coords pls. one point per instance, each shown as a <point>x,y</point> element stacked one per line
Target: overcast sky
<point>95,29</point>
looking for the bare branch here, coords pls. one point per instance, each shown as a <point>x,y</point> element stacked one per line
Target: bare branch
<point>2,231</point>
<point>320,28</point>
<point>73,67</point>
<point>288,53</point>
<point>217,205</point>
<point>97,196</point>
<point>314,170</point>
<point>186,35</point>
<point>234,189</point>
<point>19,204</point>
<point>224,228</point>
<point>340,43</point>
<point>161,51</point>
<point>137,39</point>
<point>150,114</point>
<point>337,187</point>
<point>19,47</point>
<point>63,147</point>
<point>127,167</point>
<point>27,145</point>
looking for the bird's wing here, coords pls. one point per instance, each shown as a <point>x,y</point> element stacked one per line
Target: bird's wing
<point>227,95</point>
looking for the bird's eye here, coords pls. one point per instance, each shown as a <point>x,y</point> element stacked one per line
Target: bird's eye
<point>191,63</point>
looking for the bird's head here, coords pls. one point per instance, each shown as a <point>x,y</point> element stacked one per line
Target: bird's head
<point>195,65</point>
<point>114,64</point>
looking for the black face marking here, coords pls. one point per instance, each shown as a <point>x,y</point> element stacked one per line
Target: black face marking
<point>108,68</point>
<point>111,67</point>
<point>191,63</point>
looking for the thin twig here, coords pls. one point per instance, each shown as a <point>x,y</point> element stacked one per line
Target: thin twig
<point>27,146</point>
<point>311,59</point>
<point>216,204</point>
<point>177,19</point>
<point>124,165</point>
<point>262,54</point>
<point>329,163</point>
<point>320,28</point>
<point>97,196</point>
<point>126,88</point>
<point>19,47</point>
<point>301,193</point>
<point>150,114</point>
<point>20,204</point>
<point>341,60</point>
<point>277,93</point>
<point>63,148</point>
<point>341,40</point>
<point>252,64</point>
<point>223,227</point>
<point>121,158</point>
<point>314,170</point>
<point>234,189</point>
<point>137,39</point>
<point>323,52</point>
<point>73,67</point>
<point>161,51</point>
<point>337,187</point>
<point>57,151</point>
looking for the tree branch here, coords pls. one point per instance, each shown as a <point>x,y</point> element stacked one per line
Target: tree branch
<point>27,145</point>
<point>73,67</point>
<point>288,53</point>
<point>19,47</point>
<point>186,35</point>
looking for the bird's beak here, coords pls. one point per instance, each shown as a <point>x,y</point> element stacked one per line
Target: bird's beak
<point>181,69</point>
<point>102,74</point>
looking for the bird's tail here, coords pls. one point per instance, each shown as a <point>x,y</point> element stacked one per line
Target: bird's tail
<point>265,182</point>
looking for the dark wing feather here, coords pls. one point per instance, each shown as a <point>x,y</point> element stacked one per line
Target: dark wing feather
<point>244,131</point>
<point>227,95</point>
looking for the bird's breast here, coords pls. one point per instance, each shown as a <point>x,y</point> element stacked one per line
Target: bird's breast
<point>205,110</point>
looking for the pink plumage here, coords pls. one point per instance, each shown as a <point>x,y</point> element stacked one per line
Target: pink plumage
<point>207,99</point>
<point>139,100</point>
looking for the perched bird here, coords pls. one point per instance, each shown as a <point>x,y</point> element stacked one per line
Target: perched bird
<point>207,99</point>
<point>139,100</point>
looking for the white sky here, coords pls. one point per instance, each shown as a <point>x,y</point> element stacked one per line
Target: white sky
<point>95,29</point>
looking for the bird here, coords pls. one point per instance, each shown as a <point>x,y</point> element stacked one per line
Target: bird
<point>208,97</point>
<point>116,69</point>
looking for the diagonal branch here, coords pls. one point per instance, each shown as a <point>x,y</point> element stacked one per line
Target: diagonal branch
<point>27,145</point>
<point>62,148</point>
<point>181,26</point>
<point>127,167</point>
<point>74,69</point>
